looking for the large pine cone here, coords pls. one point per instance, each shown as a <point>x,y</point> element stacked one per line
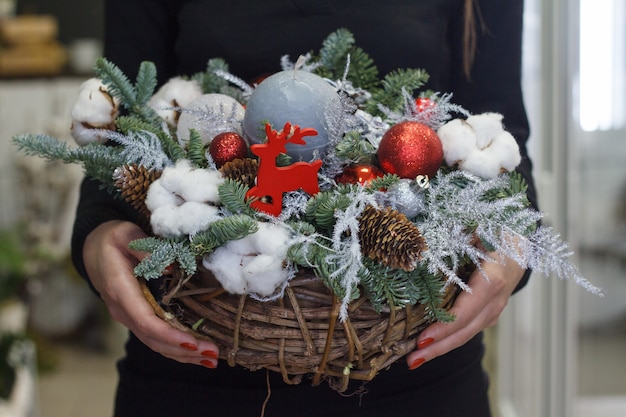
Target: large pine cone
<point>389,237</point>
<point>133,182</point>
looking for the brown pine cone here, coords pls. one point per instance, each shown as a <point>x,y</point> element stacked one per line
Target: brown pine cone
<point>389,237</point>
<point>133,182</point>
<point>241,170</point>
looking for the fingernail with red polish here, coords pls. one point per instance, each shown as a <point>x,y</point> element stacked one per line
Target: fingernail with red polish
<point>426,342</point>
<point>210,354</point>
<point>189,346</point>
<point>416,363</point>
<point>208,364</point>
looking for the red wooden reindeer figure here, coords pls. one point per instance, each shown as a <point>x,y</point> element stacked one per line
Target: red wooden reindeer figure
<point>272,181</point>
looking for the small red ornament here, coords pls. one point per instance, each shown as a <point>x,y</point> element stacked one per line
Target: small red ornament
<point>410,149</point>
<point>227,146</point>
<point>359,174</point>
<point>423,103</point>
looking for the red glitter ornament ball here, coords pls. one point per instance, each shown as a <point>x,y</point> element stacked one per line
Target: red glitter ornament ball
<point>359,174</point>
<point>410,149</point>
<point>227,146</point>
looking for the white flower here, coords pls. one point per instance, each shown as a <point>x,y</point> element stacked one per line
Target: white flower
<point>479,145</point>
<point>183,200</point>
<point>175,93</point>
<point>254,264</point>
<point>94,109</point>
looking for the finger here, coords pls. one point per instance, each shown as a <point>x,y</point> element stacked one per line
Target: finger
<point>453,338</point>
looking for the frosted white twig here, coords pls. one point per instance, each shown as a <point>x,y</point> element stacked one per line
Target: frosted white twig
<point>142,147</point>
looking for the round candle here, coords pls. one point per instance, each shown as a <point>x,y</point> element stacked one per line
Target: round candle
<point>298,97</point>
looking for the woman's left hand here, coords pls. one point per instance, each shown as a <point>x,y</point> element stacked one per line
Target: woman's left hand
<point>474,311</point>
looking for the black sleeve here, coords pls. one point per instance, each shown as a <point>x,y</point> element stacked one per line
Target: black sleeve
<point>495,81</point>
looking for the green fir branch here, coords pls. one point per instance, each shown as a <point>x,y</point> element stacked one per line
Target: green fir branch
<point>391,95</point>
<point>232,195</point>
<point>383,183</point>
<point>334,50</point>
<point>354,148</point>
<point>306,252</point>
<point>516,185</point>
<point>430,288</point>
<point>162,254</point>
<point>363,72</point>
<point>133,123</point>
<point>196,150</point>
<point>146,83</point>
<point>119,86</point>
<point>221,231</point>
<point>389,287</point>
<point>171,147</point>
<point>327,271</point>
<point>209,81</point>
<point>321,208</point>
<point>333,55</point>
<point>99,161</point>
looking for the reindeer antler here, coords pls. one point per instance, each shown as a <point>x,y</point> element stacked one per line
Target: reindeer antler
<point>287,136</point>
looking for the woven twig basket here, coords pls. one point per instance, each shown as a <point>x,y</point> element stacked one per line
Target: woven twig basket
<point>299,334</point>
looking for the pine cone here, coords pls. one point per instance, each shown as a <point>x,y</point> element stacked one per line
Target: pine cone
<point>389,237</point>
<point>133,182</point>
<point>242,170</point>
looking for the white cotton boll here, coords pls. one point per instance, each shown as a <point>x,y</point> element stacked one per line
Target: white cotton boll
<point>487,126</point>
<point>265,274</point>
<point>201,185</point>
<point>85,134</point>
<point>94,109</point>
<point>272,238</point>
<point>159,196</point>
<point>179,221</point>
<point>175,93</point>
<point>94,105</point>
<point>482,164</point>
<point>245,245</point>
<point>195,216</point>
<point>458,140</point>
<point>225,266</point>
<point>172,176</point>
<point>506,151</point>
<point>161,221</point>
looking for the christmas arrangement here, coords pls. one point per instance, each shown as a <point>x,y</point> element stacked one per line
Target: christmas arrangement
<point>316,221</point>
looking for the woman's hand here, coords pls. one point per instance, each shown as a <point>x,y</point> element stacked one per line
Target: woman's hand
<point>474,311</point>
<point>109,263</point>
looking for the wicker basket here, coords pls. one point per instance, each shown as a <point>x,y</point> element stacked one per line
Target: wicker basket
<point>296,335</point>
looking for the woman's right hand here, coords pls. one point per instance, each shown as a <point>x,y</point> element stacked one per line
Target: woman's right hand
<point>109,264</point>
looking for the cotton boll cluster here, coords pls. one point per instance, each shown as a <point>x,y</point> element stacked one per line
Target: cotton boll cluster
<point>479,145</point>
<point>254,264</point>
<point>183,200</point>
<point>177,92</point>
<point>94,109</point>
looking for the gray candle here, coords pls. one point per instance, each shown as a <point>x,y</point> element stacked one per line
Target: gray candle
<point>298,97</point>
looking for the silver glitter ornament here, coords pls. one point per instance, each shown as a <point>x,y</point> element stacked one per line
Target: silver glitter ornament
<point>407,197</point>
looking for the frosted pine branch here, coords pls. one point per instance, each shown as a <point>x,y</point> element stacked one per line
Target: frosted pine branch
<point>544,251</point>
<point>143,148</point>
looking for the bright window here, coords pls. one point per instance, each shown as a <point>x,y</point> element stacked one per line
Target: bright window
<point>602,104</point>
